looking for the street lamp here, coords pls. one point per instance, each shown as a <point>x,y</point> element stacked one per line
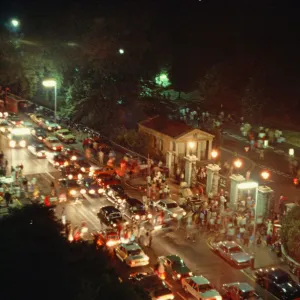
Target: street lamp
<point>121,51</point>
<point>265,175</point>
<point>214,154</point>
<point>191,146</point>
<point>15,23</point>
<point>237,163</point>
<point>51,83</point>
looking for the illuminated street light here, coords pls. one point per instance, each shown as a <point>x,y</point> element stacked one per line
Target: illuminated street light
<point>51,83</point>
<point>15,23</point>
<point>265,175</point>
<point>191,146</point>
<point>214,154</point>
<point>121,51</point>
<point>237,163</point>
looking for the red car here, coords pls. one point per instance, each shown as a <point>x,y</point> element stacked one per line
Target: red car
<point>108,237</point>
<point>106,180</point>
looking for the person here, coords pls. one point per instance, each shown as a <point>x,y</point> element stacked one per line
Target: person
<point>150,239</point>
<point>261,154</point>
<point>7,197</point>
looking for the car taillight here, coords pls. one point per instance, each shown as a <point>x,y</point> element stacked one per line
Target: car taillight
<point>296,181</point>
<point>132,263</point>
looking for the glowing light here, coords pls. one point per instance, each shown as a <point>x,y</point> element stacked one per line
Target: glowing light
<point>49,83</point>
<point>265,175</point>
<point>23,144</point>
<point>121,51</point>
<point>238,163</point>
<point>20,131</point>
<point>162,79</point>
<point>15,23</point>
<point>214,153</point>
<point>191,145</point>
<point>12,144</point>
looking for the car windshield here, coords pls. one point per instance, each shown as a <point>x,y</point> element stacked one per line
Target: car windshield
<point>40,148</point>
<point>65,133</point>
<point>53,140</point>
<point>115,215</point>
<point>179,263</point>
<point>138,207</point>
<point>172,205</point>
<point>134,252</point>
<point>235,249</point>
<point>283,278</point>
<point>205,287</point>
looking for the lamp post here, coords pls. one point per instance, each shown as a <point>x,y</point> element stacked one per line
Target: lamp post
<point>15,23</point>
<point>237,164</point>
<point>265,176</point>
<point>191,146</point>
<point>51,83</point>
<point>121,51</point>
<point>214,154</point>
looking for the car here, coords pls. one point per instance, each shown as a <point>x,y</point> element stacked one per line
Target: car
<point>69,189</point>
<point>239,291</point>
<point>14,119</point>
<point>110,216</point>
<point>134,209</point>
<point>71,172</point>
<point>132,254</point>
<point>53,143</point>
<point>49,125</point>
<point>83,165</point>
<point>106,180</point>
<point>115,194</point>
<point>57,159</point>
<point>233,253</point>
<point>109,237</point>
<point>92,187</point>
<point>39,133</point>
<point>170,207</point>
<point>175,266</point>
<point>3,115</point>
<point>200,288</point>
<point>66,136</point>
<point>38,150</point>
<point>37,118</point>
<point>73,153</point>
<point>155,287</point>
<point>279,283</point>
<point>104,170</point>
<point>5,126</point>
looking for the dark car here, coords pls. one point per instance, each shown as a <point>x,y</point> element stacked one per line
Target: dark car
<point>279,283</point>
<point>83,165</point>
<point>109,237</point>
<point>135,209</point>
<point>115,193</point>
<point>69,189</point>
<point>39,133</point>
<point>38,150</point>
<point>72,153</point>
<point>154,286</point>
<point>92,187</point>
<point>110,216</point>
<point>71,172</point>
<point>240,291</point>
<point>107,180</point>
<point>57,159</point>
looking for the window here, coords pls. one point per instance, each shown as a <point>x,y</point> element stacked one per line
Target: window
<point>160,144</point>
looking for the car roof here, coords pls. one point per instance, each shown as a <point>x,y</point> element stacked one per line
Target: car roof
<point>117,187</point>
<point>168,201</point>
<point>230,244</point>
<point>242,286</point>
<point>110,209</point>
<point>199,280</point>
<point>131,246</point>
<point>133,201</point>
<point>174,257</point>
<point>277,272</point>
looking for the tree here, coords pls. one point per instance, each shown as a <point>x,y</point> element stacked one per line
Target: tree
<point>290,233</point>
<point>38,262</point>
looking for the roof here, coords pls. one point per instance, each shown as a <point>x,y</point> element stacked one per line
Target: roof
<point>199,280</point>
<point>242,286</point>
<point>230,244</point>
<point>168,201</point>
<point>131,246</point>
<point>173,257</point>
<point>110,209</point>
<point>134,201</point>
<point>172,128</point>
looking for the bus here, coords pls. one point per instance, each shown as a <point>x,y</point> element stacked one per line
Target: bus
<point>19,137</point>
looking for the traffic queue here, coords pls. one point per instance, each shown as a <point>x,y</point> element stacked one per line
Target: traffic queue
<point>125,220</point>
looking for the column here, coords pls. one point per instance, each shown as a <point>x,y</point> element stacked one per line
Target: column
<point>209,149</point>
<point>211,171</point>
<point>235,180</point>
<point>189,161</point>
<point>264,204</point>
<point>199,150</point>
<point>169,164</point>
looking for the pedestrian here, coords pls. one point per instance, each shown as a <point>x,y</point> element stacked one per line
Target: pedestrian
<point>166,191</point>
<point>261,154</point>
<point>7,197</point>
<point>150,239</point>
<point>246,237</point>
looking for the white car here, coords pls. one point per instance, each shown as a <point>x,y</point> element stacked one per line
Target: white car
<point>53,143</point>
<point>170,207</point>
<point>200,288</point>
<point>132,254</point>
<point>38,150</point>
<point>50,126</point>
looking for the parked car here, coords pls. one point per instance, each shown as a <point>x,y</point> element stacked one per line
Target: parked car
<point>53,143</point>
<point>233,253</point>
<point>134,209</point>
<point>170,207</point>
<point>154,286</point>
<point>239,291</point>
<point>279,283</point>
<point>175,266</point>
<point>38,150</point>
<point>69,189</point>
<point>132,254</point>
<point>39,133</point>
<point>200,288</point>
<point>50,125</point>
<point>66,136</point>
<point>110,216</point>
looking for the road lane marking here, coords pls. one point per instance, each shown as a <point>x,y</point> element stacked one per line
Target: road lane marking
<point>50,175</point>
<point>181,296</point>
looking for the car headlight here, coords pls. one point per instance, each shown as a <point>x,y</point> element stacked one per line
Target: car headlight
<point>114,225</point>
<point>178,276</point>
<point>49,128</point>
<point>73,157</point>
<point>100,191</point>
<point>92,192</point>
<point>184,213</point>
<point>73,192</point>
<point>190,273</point>
<point>23,144</point>
<point>91,174</point>
<point>146,257</point>
<point>12,144</point>
<point>40,138</point>
<point>56,163</point>
<point>83,191</point>
<point>66,163</point>
<point>54,148</point>
<point>137,217</point>
<point>2,129</point>
<point>39,154</point>
<point>149,216</point>
<point>70,176</point>
<point>59,127</point>
<point>82,169</point>
<point>174,215</point>
<point>79,176</point>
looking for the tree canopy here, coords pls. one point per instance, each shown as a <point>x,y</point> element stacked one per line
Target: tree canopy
<point>37,262</point>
